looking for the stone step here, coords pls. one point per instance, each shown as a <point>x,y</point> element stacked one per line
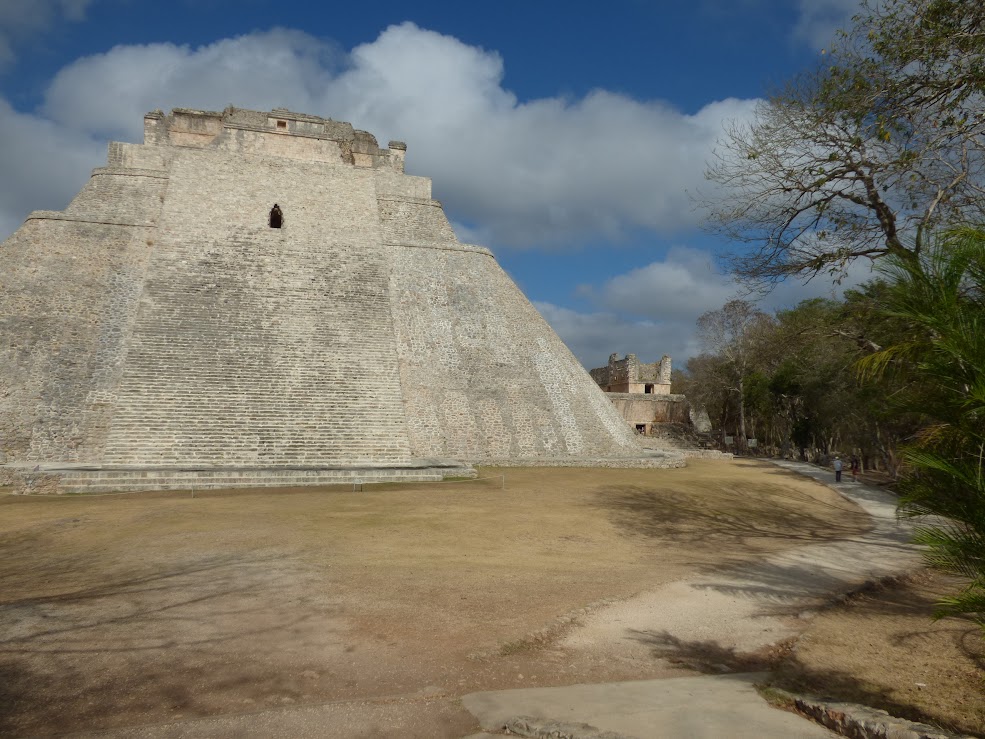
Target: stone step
<point>156,479</point>
<point>350,456</point>
<point>162,484</point>
<point>229,473</point>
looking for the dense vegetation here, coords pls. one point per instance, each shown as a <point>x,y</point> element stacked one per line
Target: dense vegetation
<point>877,155</point>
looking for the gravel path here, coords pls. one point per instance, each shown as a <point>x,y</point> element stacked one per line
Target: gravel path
<point>755,605</point>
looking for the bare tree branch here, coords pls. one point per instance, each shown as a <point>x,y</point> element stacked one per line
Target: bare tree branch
<point>863,156</point>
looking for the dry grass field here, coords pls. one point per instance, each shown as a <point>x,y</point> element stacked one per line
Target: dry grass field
<point>881,648</point>
<point>139,609</point>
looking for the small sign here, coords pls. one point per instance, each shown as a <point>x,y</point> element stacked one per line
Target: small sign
<point>752,443</point>
<point>729,439</point>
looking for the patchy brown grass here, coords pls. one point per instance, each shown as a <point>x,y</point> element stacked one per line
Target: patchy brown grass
<point>881,648</point>
<point>131,609</point>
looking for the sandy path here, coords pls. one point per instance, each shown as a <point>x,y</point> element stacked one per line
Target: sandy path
<point>753,605</point>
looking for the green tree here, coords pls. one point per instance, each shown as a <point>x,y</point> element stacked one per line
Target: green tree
<point>941,298</point>
<point>707,385</point>
<point>880,422</point>
<point>731,333</point>
<point>797,372</point>
<point>813,382</point>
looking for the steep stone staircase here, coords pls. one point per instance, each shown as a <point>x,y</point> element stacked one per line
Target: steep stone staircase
<point>683,439</point>
<point>262,347</point>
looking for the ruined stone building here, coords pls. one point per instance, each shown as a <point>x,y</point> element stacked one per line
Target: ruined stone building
<point>267,298</point>
<point>641,392</point>
<point>630,375</point>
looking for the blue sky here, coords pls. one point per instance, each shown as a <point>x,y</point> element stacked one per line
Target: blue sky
<point>568,137</point>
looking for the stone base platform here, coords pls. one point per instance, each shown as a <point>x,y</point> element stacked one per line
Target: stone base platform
<point>57,480</point>
<point>647,459</point>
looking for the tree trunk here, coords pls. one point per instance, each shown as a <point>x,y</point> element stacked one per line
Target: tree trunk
<point>742,415</point>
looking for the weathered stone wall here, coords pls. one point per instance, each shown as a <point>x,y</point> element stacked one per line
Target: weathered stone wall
<point>617,373</point>
<point>68,292</point>
<point>137,156</point>
<point>161,321</point>
<point>282,145</point>
<point>391,185</point>
<point>639,409</point>
<point>415,221</point>
<point>629,375</point>
<point>259,345</point>
<point>120,196</point>
<point>484,377</point>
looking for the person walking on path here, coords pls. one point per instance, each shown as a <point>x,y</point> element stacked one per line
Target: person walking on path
<point>837,466</point>
<point>855,468</point>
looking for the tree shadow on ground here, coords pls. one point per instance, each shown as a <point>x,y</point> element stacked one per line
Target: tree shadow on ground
<point>734,525</point>
<point>903,596</point>
<point>73,621</point>
<point>146,639</point>
<point>839,686</point>
<point>786,672</point>
<point>785,587</point>
<point>709,656</point>
<point>707,520</point>
<point>15,695</point>
<point>893,607</point>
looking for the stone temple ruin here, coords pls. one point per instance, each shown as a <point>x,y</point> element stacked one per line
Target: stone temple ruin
<point>253,298</point>
<point>630,375</point>
<point>641,392</point>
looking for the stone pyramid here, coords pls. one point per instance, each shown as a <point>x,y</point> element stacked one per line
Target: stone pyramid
<point>263,298</point>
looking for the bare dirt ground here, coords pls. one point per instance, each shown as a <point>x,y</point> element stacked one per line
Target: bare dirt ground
<point>881,648</point>
<point>134,610</point>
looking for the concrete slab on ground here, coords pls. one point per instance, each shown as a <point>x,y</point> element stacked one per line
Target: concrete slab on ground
<point>407,717</point>
<point>694,707</point>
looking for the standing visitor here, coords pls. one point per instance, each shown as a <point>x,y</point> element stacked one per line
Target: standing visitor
<point>855,468</point>
<point>837,469</point>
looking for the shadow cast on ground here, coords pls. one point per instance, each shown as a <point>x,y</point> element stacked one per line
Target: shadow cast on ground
<point>788,672</point>
<point>146,640</point>
<point>728,517</point>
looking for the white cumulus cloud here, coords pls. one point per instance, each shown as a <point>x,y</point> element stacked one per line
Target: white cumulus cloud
<point>682,286</point>
<point>544,171</point>
<point>653,310</point>
<point>108,94</point>
<point>593,336</point>
<point>649,311</point>
<point>42,165</point>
